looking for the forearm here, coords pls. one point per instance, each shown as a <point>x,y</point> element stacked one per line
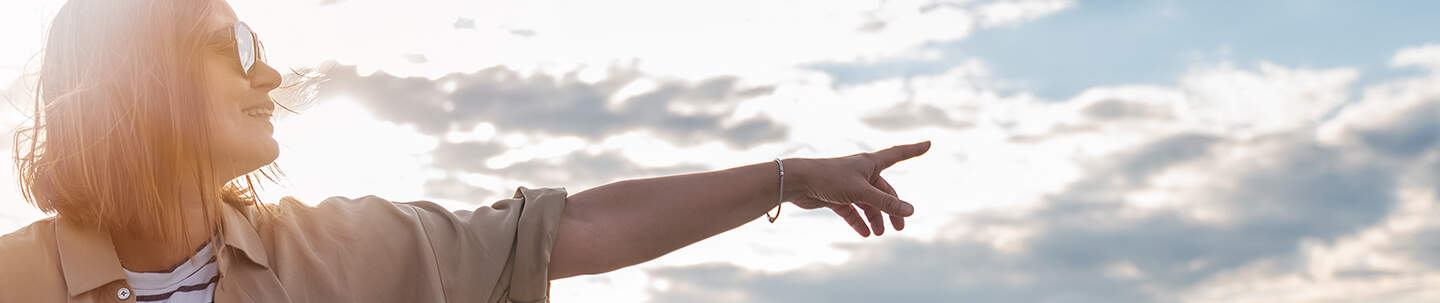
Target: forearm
<point>633,221</point>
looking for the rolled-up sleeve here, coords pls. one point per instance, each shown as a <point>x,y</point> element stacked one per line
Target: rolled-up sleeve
<point>498,253</point>
<point>370,249</point>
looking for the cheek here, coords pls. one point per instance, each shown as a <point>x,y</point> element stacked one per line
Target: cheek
<point>223,84</point>
<point>223,90</point>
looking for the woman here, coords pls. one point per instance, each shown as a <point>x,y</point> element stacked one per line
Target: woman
<point>153,119</point>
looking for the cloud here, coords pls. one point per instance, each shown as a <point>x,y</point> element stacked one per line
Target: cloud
<point>1087,244</point>
<point>1271,99</point>
<point>1396,118</point>
<point>522,32</point>
<point>747,38</point>
<point>541,108</point>
<point>907,116</point>
<point>577,169</point>
<point>455,189</point>
<point>1116,109</point>
<point>1427,56</point>
<point>464,23</point>
<point>1003,13</point>
<point>1411,134</point>
<point>1202,205</point>
<point>1102,43</point>
<point>561,106</point>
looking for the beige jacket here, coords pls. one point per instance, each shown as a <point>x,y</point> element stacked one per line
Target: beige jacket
<point>342,250</point>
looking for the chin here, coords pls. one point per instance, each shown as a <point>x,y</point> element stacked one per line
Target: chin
<point>272,151</point>
<point>268,157</point>
<point>260,157</point>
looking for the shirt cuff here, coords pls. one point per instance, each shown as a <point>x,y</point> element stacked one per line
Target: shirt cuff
<point>534,240</point>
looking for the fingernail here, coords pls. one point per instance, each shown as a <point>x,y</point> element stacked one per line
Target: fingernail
<point>907,209</point>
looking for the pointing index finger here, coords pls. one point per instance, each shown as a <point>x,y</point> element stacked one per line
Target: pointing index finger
<point>890,156</point>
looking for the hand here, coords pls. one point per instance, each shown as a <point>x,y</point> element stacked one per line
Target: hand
<point>844,183</point>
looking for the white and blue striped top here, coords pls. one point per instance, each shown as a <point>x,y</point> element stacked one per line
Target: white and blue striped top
<point>192,281</point>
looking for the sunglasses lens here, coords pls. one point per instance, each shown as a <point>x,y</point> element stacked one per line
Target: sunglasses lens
<point>245,44</point>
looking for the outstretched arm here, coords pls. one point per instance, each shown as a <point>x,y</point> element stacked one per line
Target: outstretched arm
<point>633,221</point>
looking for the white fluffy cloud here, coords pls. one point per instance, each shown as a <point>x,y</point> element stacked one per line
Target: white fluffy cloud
<point>1427,56</point>
<point>693,39</point>
<point>1235,185</point>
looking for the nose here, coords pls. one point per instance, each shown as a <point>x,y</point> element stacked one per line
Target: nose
<point>263,77</point>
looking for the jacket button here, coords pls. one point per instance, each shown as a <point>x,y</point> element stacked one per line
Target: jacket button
<point>123,293</point>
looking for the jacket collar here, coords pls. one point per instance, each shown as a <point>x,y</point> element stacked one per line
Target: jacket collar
<point>239,233</point>
<point>88,260</point>
<point>87,257</point>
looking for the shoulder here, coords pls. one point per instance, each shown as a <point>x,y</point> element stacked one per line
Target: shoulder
<point>333,215</point>
<point>339,208</point>
<point>371,214</point>
<point>339,237</point>
<point>28,246</point>
<point>30,259</point>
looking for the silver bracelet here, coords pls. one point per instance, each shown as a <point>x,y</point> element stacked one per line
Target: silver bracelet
<point>781,201</point>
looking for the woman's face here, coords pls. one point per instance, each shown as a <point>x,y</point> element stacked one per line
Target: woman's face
<point>242,141</point>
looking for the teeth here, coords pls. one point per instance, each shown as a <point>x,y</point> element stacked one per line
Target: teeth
<point>258,112</point>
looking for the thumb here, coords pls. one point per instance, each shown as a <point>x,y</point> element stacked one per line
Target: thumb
<point>886,202</point>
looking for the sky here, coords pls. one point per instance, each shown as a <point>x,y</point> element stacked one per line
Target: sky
<point>1083,151</point>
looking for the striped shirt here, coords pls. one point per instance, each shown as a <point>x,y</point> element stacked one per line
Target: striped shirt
<point>192,281</point>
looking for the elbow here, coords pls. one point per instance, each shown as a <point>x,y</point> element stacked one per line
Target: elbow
<point>594,239</point>
<point>574,258</point>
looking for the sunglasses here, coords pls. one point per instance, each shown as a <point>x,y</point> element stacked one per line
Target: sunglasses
<point>245,47</point>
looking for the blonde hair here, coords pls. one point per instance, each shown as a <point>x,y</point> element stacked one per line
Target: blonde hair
<point>115,129</point>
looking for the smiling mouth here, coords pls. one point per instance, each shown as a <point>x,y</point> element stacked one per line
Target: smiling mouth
<point>258,112</point>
